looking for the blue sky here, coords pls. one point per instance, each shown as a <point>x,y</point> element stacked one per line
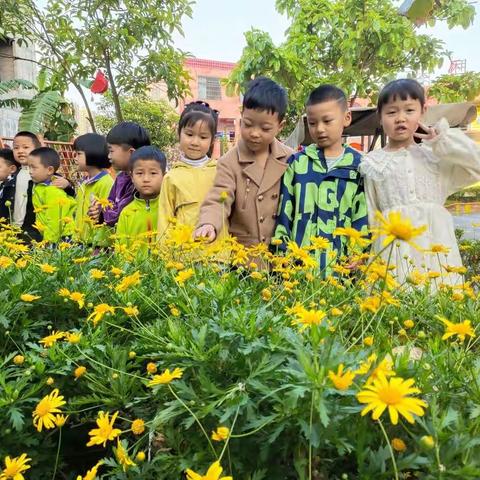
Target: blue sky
<point>216,29</point>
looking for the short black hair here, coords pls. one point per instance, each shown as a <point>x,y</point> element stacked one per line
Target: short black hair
<point>95,148</point>
<point>148,153</point>
<point>404,88</point>
<point>7,155</point>
<point>327,93</point>
<point>199,111</point>
<point>48,157</point>
<point>265,94</point>
<point>128,134</point>
<point>32,136</point>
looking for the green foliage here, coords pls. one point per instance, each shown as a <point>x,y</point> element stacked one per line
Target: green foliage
<point>246,366</point>
<point>454,12</point>
<point>158,117</point>
<point>464,87</point>
<point>358,45</point>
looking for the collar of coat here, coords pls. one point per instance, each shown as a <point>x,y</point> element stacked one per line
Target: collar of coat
<point>180,164</point>
<point>278,151</point>
<point>350,160</point>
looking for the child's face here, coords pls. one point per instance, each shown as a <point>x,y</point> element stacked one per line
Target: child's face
<point>195,140</point>
<point>258,128</point>
<point>400,119</point>
<point>6,169</point>
<point>147,177</point>
<point>39,172</point>
<point>326,122</point>
<point>81,160</point>
<point>22,146</point>
<point>119,156</point>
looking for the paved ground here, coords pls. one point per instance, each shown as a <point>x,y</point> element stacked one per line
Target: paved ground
<point>465,223</point>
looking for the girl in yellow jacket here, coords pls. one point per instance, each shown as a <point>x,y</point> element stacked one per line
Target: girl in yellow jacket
<point>186,185</point>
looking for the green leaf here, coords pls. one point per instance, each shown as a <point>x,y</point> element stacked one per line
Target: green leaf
<point>43,108</point>
<point>16,418</point>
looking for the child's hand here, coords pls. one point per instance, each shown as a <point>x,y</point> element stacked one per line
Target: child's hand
<point>94,211</point>
<point>430,134</point>
<point>61,182</point>
<point>206,231</point>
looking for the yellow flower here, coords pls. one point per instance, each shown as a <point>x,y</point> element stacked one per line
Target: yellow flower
<point>398,228</point>
<point>398,445</point>
<point>166,377</point>
<point>50,381</point>
<point>99,311</point>
<point>355,237</point>
<point>5,262</point>
<point>460,329</point>
<point>392,394</point>
<point>116,271</point>
<point>385,368</point>
<point>105,430</point>
<point>408,323</point>
<point>91,474</point>
<point>371,304</point>
<point>151,368</point>
<point>64,292</point>
<point>81,260</point>
<point>336,312</point>
<point>174,311</point>
<point>140,456</point>
<point>21,263</point>
<point>27,297</point>
<point>131,311</point>
<point>368,341</point>
<point>73,337</point>
<point>138,426</point>
<point>427,442</point>
<point>97,274</point>
<point>14,467</point>
<point>51,339</point>
<point>184,275</point>
<point>266,294</point>
<point>438,248</point>
<point>79,372</point>
<point>213,473</point>
<point>122,456</point>
<point>128,281</point>
<point>77,297</point>
<point>18,359</point>
<point>308,318</point>
<point>220,434</point>
<point>60,420</point>
<point>46,268</point>
<point>256,275</point>
<point>319,243</point>
<point>340,379</point>
<point>223,196</point>
<point>43,415</point>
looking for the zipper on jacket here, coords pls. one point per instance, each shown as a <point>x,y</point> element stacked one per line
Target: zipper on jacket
<point>147,204</point>
<point>247,189</point>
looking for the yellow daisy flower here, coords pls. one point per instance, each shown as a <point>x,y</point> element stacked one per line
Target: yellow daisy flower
<point>462,329</point>
<point>221,434</point>
<point>342,380</point>
<point>14,467</point>
<point>43,415</point>
<point>213,473</point>
<point>166,377</point>
<point>105,430</point>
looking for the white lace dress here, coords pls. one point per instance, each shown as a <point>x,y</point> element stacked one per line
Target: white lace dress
<point>416,181</point>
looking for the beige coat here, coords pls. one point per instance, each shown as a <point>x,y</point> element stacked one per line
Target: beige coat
<point>250,208</point>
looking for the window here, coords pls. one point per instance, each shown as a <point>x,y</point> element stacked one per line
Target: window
<point>209,88</point>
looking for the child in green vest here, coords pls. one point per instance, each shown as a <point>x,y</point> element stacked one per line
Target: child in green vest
<point>54,209</point>
<point>137,224</point>
<point>92,158</point>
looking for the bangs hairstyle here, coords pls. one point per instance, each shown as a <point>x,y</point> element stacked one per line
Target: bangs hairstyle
<point>48,157</point>
<point>7,155</point>
<point>266,95</point>
<point>328,93</point>
<point>148,153</point>
<point>95,148</point>
<point>31,136</point>
<point>128,134</point>
<point>402,89</point>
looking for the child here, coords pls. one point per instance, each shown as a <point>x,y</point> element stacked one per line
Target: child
<point>122,139</point>
<point>54,208</point>
<point>186,185</point>
<point>415,180</point>
<point>246,185</point>
<point>23,214</point>
<point>138,219</point>
<point>322,189</point>
<point>9,168</point>
<point>92,158</point>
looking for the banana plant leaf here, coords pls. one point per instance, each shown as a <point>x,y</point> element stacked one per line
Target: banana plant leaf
<point>11,87</point>
<point>43,107</point>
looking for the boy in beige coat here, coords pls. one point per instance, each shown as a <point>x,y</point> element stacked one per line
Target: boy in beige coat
<point>244,197</point>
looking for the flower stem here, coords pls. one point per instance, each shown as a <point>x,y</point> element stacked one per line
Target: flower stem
<point>310,438</point>
<point>187,408</point>
<point>390,448</point>
<point>58,453</point>
<point>228,438</point>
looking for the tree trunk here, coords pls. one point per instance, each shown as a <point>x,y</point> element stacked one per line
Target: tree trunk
<point>116,101</point>
<point>87,106</point>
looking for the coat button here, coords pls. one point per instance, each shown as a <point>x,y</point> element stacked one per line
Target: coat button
<point>275,195</point>
<point>261,219</point>
<point>263,239</point>
<point>274,216</point>
<point>260,198</point>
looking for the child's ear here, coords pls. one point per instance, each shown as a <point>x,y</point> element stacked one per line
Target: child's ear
<point>347,120</point>
<point>50,170</point>
<point>13,169</point>
<point>281,125</point>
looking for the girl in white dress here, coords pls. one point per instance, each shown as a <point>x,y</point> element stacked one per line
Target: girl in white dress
<point>416,179</point>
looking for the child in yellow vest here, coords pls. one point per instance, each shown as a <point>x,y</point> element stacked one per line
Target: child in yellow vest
<point>138,220</point>
<point>92,159</point>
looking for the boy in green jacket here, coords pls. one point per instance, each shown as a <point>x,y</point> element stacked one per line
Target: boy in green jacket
<point>92,158</point>
<point>53,207</point>
<point>137,224</point>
